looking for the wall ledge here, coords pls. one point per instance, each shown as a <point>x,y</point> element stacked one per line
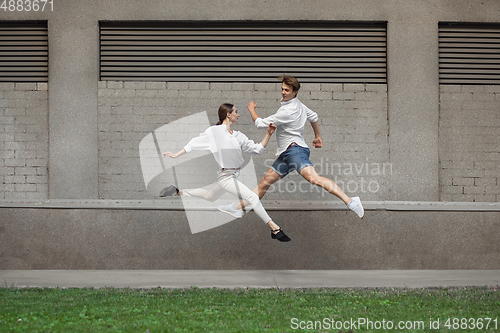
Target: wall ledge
<point>271,205</point>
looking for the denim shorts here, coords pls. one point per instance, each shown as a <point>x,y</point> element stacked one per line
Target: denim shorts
<point>294,158</point>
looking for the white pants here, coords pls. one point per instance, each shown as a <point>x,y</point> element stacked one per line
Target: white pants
<point>227,182</point>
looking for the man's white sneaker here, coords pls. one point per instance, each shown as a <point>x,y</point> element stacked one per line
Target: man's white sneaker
<point>356,206</point>
<point>231,210</point>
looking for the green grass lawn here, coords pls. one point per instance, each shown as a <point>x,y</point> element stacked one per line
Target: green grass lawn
<point>249,310</point>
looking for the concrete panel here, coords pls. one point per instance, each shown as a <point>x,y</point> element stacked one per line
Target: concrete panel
<point>73,77</point>
<point>330,240</point>
<point>413,103</point>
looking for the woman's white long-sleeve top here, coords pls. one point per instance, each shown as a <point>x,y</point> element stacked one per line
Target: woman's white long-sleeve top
<point>226,148</point>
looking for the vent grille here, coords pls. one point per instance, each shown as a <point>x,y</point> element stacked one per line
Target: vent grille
<point>469,54</point>
<point>23,52</point>
<point>243,51</point>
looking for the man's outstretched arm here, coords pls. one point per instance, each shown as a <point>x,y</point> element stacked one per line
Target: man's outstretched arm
<point>251,108</point>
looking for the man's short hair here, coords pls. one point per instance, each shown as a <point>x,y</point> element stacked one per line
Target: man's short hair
<point>290,81</point>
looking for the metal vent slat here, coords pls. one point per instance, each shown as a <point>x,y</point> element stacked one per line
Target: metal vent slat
<point>153,66</point>
<point>469,53</point>
<point>243,57</point>
<point>133,55</point>
<point>23,51</point>
<point>243,51</point>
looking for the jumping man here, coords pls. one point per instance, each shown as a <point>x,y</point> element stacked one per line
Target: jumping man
<point>293,152</point>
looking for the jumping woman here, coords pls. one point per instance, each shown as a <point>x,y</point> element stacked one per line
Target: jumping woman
<point>227,146</point>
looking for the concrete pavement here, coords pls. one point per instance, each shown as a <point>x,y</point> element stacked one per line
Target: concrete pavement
<point>249,278</point>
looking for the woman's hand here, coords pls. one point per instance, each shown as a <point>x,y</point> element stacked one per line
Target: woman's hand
<point>271,128</point>
<point>169,154</point>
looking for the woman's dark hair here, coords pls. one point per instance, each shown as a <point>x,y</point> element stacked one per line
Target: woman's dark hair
<point>224,109</point>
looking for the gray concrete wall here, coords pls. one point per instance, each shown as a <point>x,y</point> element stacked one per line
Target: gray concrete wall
<point>413,107</point>
<point>89,130</point>
<point>161,239</point>
<point>73,76</point>
<point>412,77</point>
<point>412,89</point>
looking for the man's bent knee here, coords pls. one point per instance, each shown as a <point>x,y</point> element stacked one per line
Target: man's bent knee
<point>267,181</point>
<point>315,181</point>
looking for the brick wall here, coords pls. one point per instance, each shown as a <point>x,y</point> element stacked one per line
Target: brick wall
<point>353,124</point>
<point>24,141</point>
<point>469,143</point>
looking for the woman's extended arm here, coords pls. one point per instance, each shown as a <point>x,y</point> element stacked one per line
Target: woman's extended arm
<point>249,146</point>
<point>270,130</point>
<point>169,154</point>
<point>201,142</point>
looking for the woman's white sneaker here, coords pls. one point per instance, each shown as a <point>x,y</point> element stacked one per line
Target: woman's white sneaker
<point>356,206</point>
<point>231,210</point>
